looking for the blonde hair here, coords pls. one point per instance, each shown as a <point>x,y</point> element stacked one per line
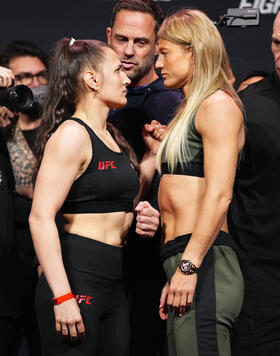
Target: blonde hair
<point>211,68</point>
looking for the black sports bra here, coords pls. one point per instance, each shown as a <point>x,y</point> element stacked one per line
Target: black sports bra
<point>195,166</point>
<point>109,184</point>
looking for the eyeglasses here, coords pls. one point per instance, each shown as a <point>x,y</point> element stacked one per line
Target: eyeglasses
<point>27,78</point>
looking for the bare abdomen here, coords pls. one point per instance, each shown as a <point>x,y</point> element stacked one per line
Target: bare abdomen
<point>180,198</point>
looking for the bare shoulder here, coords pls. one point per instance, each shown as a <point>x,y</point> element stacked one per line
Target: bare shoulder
<point>70,138</point>
<point>219,110</point>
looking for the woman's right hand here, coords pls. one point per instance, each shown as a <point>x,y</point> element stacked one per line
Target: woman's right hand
<point>68,321</point>
<point>153,134</point>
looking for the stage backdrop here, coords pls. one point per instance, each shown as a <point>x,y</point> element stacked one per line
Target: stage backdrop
<point>45,22</point>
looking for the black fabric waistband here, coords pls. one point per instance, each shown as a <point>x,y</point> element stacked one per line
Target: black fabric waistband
<point>180,242</point>
<point>192,169</point>
<point>92,256</point>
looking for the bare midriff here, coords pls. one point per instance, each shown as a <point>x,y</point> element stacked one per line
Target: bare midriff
<point>105,227</point>
<point>180,198</point>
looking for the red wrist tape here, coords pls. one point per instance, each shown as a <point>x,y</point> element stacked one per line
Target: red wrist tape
<point>63,298</point>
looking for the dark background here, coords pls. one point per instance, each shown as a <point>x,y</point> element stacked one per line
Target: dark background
<point>45,22</point>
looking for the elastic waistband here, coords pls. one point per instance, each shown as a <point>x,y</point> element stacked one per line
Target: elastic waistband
<point>92,256</point>
<point>194,169</point>
<point>180,242</point>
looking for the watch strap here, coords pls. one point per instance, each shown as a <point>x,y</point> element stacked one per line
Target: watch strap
<point>187,267</point>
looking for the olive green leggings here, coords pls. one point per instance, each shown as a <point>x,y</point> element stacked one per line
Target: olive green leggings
<point>205,329</point>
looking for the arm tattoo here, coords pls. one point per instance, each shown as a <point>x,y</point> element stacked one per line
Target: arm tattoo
<point>22,159</point>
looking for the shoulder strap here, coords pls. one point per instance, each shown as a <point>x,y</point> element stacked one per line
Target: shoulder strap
<point>91,135</point>
<point>81,122</point>
<point>192,127</point>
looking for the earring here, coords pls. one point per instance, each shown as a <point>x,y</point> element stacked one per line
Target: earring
<point>95,92</point>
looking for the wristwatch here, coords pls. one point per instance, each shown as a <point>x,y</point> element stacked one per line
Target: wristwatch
<point>187,267</point>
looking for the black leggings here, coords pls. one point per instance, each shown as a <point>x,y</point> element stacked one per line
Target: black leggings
<point>94,271</point>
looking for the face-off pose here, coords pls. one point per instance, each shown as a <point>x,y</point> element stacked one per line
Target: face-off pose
<point>133,35</point>
<point>90,177</point>
<point>198,159</point>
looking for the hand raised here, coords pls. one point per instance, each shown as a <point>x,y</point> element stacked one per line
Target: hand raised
<point>147,220</point>
<point>152,135</point>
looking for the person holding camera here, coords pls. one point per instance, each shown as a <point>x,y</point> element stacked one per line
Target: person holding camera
<point>26,65</point>
<point>6,80</point>
<point>9,301</point>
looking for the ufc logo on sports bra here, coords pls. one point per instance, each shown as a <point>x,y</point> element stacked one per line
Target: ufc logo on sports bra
<point>106,165</point>
<point>83,299</point>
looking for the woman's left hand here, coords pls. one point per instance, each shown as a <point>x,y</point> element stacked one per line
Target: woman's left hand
<point>181,292</point>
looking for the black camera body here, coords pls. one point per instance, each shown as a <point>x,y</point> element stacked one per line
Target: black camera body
<point>18,98</point>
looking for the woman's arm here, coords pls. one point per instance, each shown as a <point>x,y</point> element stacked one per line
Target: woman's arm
<point>152,135</point>
<point>147,216</point>
<point>220,123</point>
<point>65,154</point>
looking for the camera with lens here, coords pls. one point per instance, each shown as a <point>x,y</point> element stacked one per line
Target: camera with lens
<point>18,98</point>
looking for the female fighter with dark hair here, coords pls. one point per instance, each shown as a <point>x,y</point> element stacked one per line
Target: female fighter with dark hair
<point>198,159</point>
<point>87,175</point>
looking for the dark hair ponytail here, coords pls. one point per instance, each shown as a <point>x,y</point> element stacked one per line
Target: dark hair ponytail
<point>69,59</point>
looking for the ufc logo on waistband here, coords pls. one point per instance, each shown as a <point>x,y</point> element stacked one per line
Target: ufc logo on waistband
<point>83,298</point>
<point>106,165</point>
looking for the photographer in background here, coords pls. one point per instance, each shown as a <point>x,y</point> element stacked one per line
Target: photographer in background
<point>28,64</point>
<point>9,301</point>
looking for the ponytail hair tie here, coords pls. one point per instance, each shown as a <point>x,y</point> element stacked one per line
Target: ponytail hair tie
<point>72,40</point>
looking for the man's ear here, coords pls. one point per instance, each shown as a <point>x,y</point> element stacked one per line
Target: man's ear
<point>109,33</point>
<point>91,80</point>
